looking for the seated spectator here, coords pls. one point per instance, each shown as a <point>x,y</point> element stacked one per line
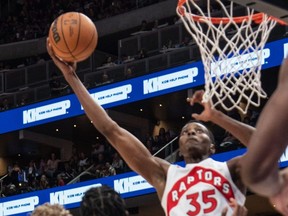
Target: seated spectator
<point>97,148</point>
<point>107,170</point>
<point>144,26</point>
<point>56,86</point>
<point>105,79</point>
<point>42,166</point>
<point>68,173</point>
<point>6,104</point>
<point>43,183</point>
<point>141,54</point>
<point>60,181</point>
<point>149,145</point>
<point>118,163</point>
<point>14,175</point>
<point>32,172</point>
<point>186,41</point>
<point>33,186</point>
<point>128,74</point>
<point>109,61</point>
<point>155,24</point>
<point>83,162</point>
<point>23,100</point>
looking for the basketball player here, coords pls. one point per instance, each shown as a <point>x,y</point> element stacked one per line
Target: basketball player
<point>260,169</point>
<point>102,201</point>
<point>203,187</point>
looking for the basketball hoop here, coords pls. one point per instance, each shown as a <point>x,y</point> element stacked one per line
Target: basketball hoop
<point>231,50</point>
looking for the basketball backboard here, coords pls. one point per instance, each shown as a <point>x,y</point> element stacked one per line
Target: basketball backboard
<point>276,8</point>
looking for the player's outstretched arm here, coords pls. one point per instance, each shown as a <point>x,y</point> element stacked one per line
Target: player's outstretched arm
<point>130,148</point>
<point>241,131</point>
<point>260,164</point>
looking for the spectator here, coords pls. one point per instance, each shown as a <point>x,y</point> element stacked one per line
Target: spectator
<point>141,54</point>
<point>97,148</point>
<point>128,74</point>
<point>6,104</point>
<point>105,79</point>
<point>31,172</point>
<point>14,175</point>
<point>83,162</point>
<point>144,26</point>
<point>155,24</point>
<point>118,163</point>
<point>60,181</point>
<point>42,166</point>
<point>43,184</point>
<point>52,166</point>
<point>56,86</point>
<point>110,169</point>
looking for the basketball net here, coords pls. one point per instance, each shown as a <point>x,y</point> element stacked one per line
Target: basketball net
<point>232,52</point>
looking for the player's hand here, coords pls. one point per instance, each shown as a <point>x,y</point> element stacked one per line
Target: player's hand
<point>65,67</point>
<point>238,210</point>
<point>207,113</point>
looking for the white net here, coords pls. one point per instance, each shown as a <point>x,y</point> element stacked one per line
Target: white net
<point>231,50</point>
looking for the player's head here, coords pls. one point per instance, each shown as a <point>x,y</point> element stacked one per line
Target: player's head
<point>196,138</point>
<point>51,210</point>
<point>102,201</point>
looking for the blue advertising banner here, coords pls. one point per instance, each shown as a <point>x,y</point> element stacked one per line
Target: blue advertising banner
<point>152,85</point>
<point>140,88</point>
<point>128,185</point>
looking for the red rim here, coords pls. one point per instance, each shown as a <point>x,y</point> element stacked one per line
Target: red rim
<point>257,18</point>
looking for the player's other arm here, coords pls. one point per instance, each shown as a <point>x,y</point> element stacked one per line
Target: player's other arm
<point>241,131</point>
<point>260,165</point>
<point>130,148</point>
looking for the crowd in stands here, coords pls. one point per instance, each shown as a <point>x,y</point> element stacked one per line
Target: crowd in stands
<point>31,19</point>
<point>100,161</point>
<point>43,173</point>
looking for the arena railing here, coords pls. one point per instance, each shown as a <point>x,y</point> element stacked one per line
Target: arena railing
<point>33,82</point>
<point>169,152</point>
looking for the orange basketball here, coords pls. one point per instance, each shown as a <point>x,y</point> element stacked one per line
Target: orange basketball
<point>73,36</point>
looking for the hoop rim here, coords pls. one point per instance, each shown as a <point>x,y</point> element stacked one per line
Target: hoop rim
<point>257,17</point>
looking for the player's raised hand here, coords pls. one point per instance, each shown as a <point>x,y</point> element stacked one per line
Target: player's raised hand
<point>65,67</point>
<point>207,113</point>
<point>238,210</point>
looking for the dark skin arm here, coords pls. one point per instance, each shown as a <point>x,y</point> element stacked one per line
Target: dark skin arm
<point>134,153</point>
<point>241,131</point>
<point>260,165</point>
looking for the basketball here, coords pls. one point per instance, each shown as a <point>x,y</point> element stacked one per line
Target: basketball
<point>73,37</point>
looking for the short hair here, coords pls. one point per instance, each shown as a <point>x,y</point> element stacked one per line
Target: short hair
<point>210,134</point>
<point>102,201</point>
<point>48,209</point>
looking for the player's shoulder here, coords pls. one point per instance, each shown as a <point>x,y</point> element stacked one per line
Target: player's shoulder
<point>162,163</point>
<point>234,162</point>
